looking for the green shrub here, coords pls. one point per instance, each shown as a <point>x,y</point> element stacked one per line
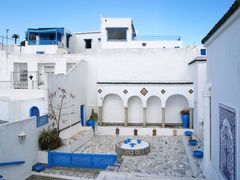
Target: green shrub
<point>49,139</point>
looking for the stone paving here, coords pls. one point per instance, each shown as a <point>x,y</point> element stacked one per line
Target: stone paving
<point>73,172</point>
<point>167,156</point>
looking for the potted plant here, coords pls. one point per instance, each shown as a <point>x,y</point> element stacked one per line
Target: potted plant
<point>49,139</point>
<point>185,117</point>
<point>92,119</point>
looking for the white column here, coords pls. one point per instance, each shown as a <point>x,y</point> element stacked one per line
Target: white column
<point>206,129</point>
<point>163,117</point>
<point>100,115</point>
<point>144,117</point>
<point>125,116</point>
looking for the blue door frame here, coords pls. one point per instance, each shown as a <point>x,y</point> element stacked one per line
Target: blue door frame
<point>82,115</point>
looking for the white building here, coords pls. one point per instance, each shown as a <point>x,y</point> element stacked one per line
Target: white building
<point>221,98</point>
<point>130,80</point>
<point>149,81</point>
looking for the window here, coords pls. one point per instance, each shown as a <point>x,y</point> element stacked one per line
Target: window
<point>68,39</point>
<point>40,52</point>
<point>117,34</point>
<point>203,52</point>
<point>88,43</point>
<point>49,68</point>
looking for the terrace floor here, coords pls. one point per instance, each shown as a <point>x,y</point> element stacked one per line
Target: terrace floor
<point>167,156</point>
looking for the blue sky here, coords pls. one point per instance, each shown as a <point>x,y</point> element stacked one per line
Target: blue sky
<point>190,19</point>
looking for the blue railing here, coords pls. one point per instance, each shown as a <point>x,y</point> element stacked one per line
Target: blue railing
<point>101,161</point>
<point>42,42</point>
<point>156,38</point>
<point>42,120</point>
<point>12,163</point>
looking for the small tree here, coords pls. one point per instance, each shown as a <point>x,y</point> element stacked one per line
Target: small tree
<point>58,107</point>
<point>15,37</point>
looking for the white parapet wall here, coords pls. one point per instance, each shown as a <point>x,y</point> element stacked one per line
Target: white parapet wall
<point>12,149</point>
<point>15,104</point>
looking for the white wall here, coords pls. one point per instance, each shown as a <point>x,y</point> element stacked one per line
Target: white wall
<point>174,105</point>
<point>153,101</point>
<point>113,109</point>
<point>14,106</point>
<point>32,49</point>
<point>4,67</point>
<point>135,110</point>
<point>77,43</point>
<point>139,44</point>
<point>12,150</point>
<point>115,23</point>
<point>223,73</point>
<point>154,110</point>
<point>153,90</point>
<point>145,64</point>
<point>199,71</point>
<point>74,83</point>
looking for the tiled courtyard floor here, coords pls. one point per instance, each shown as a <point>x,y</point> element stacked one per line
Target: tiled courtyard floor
<point>167,156</point>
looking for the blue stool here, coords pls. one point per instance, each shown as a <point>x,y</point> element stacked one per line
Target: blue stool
<point>188,133</point>
<point>38,167</point>
<point>192,142</point>
<point>198,154</point>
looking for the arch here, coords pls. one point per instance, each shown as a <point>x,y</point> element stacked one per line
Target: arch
<point>135,110</point>
<point>154,110</point>
<point>34,111</point>
<point>113,109</point>
<point>174,105</point>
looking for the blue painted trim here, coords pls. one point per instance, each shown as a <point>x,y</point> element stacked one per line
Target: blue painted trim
<point>101,161</point>
<point>12,163</point>
<point>42,120</point>
<point>82,120</point>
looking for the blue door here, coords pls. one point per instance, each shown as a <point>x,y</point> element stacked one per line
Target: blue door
<point>82,114</point>
<point>34,111</point>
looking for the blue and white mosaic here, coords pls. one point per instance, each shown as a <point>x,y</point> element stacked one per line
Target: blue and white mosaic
<point>227,130</point>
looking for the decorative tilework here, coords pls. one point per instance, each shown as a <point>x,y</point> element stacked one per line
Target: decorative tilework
<point>125,91</point>
<point>169,125</point>
<point>163,91</point>
<point>173,125</point>
<point>112,124</point>
<point>227,134</point>
<point>99,91</point>
<point>190,91</point>
<point>144,91</point>
<point>154,124</point>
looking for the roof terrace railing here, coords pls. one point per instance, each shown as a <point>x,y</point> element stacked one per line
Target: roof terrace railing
<point>156,38</point>
<point>42,42</point>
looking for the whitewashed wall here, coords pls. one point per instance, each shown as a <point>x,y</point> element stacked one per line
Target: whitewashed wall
<point>12,150</point>
<point>154,110</point>
<point>139,44</point>
<point>74,83</point>
<point>174,105</point>
<point>14,106</point>
<point>199,71</point>
<point>77,43</point>
<point>145,64</point>
<point>223,73</point>
<point>4,67</point>
<point>113,100</point>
